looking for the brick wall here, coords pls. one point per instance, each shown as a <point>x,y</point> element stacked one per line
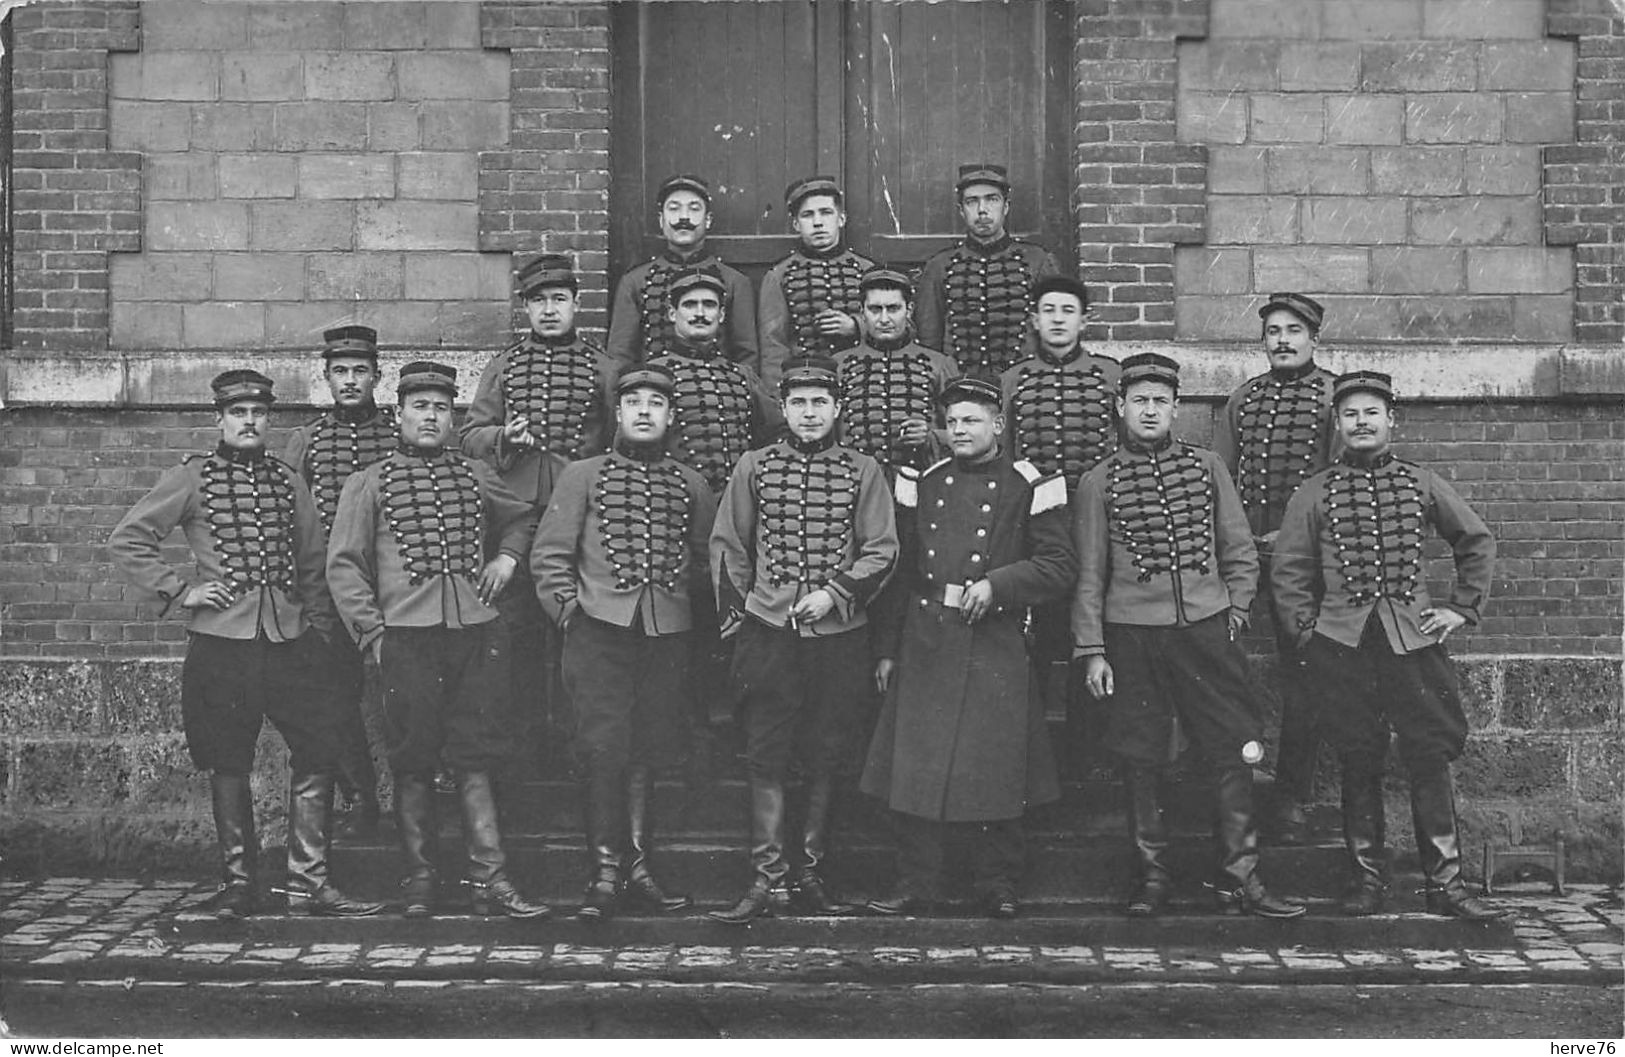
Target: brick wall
<point>1384,155</point>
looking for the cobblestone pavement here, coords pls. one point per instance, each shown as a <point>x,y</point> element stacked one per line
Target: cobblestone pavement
<point>107,933</point>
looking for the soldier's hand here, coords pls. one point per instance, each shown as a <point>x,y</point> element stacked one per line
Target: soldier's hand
<point>913,433</point>
<point>1097,676</point>
<point>210,595</point>
<point>495,576</point>
<point>836,323</point>
<point>1238,623</point>
<point>516,431</point>
<point>813,607</point>
<point>1441,622</point>
<point>978,601</point>
<point>375,651</point>
<point>883,669</point>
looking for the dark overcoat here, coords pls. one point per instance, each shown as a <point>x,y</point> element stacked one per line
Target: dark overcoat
<point>960,736</point>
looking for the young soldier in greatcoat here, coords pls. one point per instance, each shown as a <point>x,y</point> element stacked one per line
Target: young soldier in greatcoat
<point>805,537</point>
<point>1059,417</point>
<point>617,558</point>
<point>408,572</point>
<point>352,435</point>
<point>1349,580</point>
<point>973,297</point>
<point>540,404</point>
<point>639,324</point>
<point>1167,571</point>
<point>890,383</point>
<point>261,636</point>
<point>960,740</point>
<point>1275,433</point>
<point>810,300</point>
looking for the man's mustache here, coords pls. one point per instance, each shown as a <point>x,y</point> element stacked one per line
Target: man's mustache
<point>684,225</point>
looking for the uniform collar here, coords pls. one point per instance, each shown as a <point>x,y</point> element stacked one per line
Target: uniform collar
<point>683,260</point>
<point>802,249</point>
<point>824,443</point>
<point>412,451</point>
<point>711,350</point>
<point>240,456</point>
<point>988,248</point>
<point>1360,460</point>
<point>641,451</point>
<point>1139,448</point>
<point>903,341</point>
<point>563,341</point>
<point>355,416</point>
<point>983,464</point>
<point>1073,355</point>
<point>1293,374</point>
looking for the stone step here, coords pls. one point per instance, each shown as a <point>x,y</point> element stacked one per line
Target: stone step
<point>713,871</point>
<point>1051,925</point>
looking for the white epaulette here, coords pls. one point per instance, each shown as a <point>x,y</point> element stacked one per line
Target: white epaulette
<point>906,491</point>
<point>1049,490</point>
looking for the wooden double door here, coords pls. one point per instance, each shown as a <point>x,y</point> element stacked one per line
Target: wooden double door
<point>889,97</point>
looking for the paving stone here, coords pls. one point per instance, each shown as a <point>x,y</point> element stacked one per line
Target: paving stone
<point>950,954</point>
<point>579,958</point>
<point>405,985</point>
<point>62,957</point>
<point>203,957</point>
<point>341,948</point>
<point>449,959</point>
<point>1192,965</point>
<point>453,948</point>
<point>272,954</point>
<point>323,960</point>
<point>896,955</point>
<point>1007,955</point>
<point>705,957</point>
<point>1070,954</point>
<point>1370,959</point>
<point>513,955</point>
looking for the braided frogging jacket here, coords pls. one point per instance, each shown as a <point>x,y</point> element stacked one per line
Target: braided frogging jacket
<point>878,392</point>
<point>812,284</point>
<point>1376,523</point>
<point>1061,419</point>
<point>434,509</point>
<point>1281,439</point>
<point>805,504</point>
<point>554,389</point>
<point>249,507</point>
<point>335,448</point>
<point>711,415</point>
<point>644,515</point>
<point>1160,511</point>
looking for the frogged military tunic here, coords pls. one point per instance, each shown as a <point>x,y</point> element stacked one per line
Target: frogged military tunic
<point>972,302</point>
<point>794,292</point>
<point>1277,431</point>
<point>640,329</point>
<point>881,388</point>
<point>720,410</point>
<point>1059,412</point>
<point>327,451</point>
<point>960,737</point>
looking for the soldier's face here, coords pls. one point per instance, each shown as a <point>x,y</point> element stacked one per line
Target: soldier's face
<point>1365,422</point>
<point>426,418</point>
<point>643,415</point>
<point>1058,320</point>
<point>684,219</point>
<point>1147,410</point>
<point>819,221</point>
<point>697,316</point>
<point>810,411</point>
<point>351,380</point>
<point>552,311</point>
<point>1288,341</point>
<point>243,424</point>
<point>885,313</point>
<point>984,207</point>
<point>973,429</point>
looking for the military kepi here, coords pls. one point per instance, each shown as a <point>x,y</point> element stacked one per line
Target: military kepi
<point>354,340</point>
<point>1363,382</point>
<point>690,278</point>
<point>810,371</point>
<point>808,186</point>
<point>644,376</point>
<point>683,182</point>
<point>1305,308</point>
<point>974,390</point>
<point>882,277</point>
<point>241,384</point>
<point>547,270</point>
<point>1148,367</point>
<point>982,173</point>
<point>425,374</point>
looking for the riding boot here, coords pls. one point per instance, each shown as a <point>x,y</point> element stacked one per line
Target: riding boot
<point>417,822</point>
<point>1241,889</point>
<point>490,891</point>
<point>766,895</point>
<point>1433,811</point>
<point>606,843</point>
<point>310,820</point>
<point>239,852</point>
<point>640,882</point>
<point>1363,835</point>
<point>1150,841</point>
<point>358,784</point>
<point>1295,759</point>
<point>808,892</point>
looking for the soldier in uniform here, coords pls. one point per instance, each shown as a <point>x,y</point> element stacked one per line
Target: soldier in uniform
<point>618,556</point>
<point>1349,580</point>
<point>640,326</point>
<point>1167,571</point>
<point>810,300</point>
<point>540,404</point>
<point>973,302</point>
<point>409,575</point>
<point>1275,433</point>
<point>261,634</point>
<point>1059,417</point>
<point>805,537</point>
<point>890,383</point>
<point>960,740</point>
<point>353,435</point>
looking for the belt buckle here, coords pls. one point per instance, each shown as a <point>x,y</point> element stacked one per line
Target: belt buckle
<point>953,596</point>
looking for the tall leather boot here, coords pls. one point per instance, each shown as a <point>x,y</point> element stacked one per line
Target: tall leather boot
<point>1364,836</point>
<point>491,892</point>
<point>1150,841</point>
<point>310,820</point>
<point>766,896</point>
<point>1433,810</point>
<point>807,892</point>
<point>234,826</point>
<point>1295,759</point>
<point>606,843</point>
<point>1242,890</point>
<point>640,882</point>
<point>416,821</point>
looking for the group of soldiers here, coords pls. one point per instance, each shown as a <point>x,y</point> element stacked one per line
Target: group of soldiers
<point>869,507</point>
